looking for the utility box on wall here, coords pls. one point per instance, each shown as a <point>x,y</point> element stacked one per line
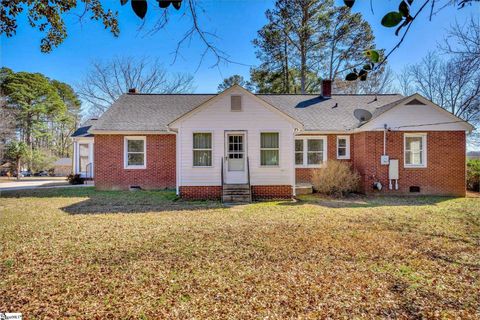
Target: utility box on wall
<point>393,170</point>
<point>384,160</point>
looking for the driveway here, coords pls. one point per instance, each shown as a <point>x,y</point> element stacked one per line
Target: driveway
<point>34,182</point>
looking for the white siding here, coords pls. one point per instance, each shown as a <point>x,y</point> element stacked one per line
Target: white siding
<point>217,118</point>
<point>416,118</point>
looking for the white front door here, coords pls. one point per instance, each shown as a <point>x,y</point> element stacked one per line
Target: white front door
<point>235,157</point>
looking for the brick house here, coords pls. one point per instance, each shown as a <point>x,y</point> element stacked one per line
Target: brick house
<point>243,145</point>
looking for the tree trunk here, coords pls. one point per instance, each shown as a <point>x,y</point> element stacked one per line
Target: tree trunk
<point>303,68</point>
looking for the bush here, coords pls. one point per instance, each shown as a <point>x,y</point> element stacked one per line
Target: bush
<point>337,179</point>
<point>473,175</point>
<point>75,179</point>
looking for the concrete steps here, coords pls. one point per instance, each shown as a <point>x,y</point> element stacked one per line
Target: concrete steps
<point>237,193</point>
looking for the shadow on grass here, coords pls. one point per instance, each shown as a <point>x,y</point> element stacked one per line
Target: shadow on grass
<point>100,202</point>
<point>361,201</point>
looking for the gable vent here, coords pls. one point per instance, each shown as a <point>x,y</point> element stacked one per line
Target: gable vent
<point>236,103</point>
<point>415,102</point>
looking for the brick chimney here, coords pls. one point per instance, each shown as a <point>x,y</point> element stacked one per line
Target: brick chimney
<point>326,88</point>
<point>132,90</point>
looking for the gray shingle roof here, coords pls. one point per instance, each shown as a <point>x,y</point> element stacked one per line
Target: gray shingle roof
<point>153,112</point>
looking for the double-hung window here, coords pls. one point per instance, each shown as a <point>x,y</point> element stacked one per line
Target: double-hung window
<point>310,151</point>
<point>343,147</point>
<point>269,149</point>
<point>135,152</point>
<point>202,149</point>
<point>415,150</point>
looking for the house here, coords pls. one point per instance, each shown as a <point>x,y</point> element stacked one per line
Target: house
<point>240,144</point>
<point>62,167</point>
<point>83,150</point>
<point>473,155</point>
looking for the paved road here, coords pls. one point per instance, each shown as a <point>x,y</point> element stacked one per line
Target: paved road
<point>34,183</point>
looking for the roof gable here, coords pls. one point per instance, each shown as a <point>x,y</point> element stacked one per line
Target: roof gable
<point>415,113</point>
<point>234,89</point>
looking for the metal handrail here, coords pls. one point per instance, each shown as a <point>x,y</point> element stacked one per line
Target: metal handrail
<point>248,171</point>
<point>89,173</point>
<point>222,172</point>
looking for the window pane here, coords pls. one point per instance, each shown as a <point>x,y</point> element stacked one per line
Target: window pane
<point>413,158</point>
<point>269,140</point>
<point>315,158</point>
<point>83,163</point>
<point>135,145</point>
<point>202,141</point>
<point>298,145</point>
<point>342,143</point>
<point>83,150</point>
<point>299,158</point>
<point>135,159</point>
<point>342,152</point>
<point>269,157</point>
<point>414,143</point>
<point>315,145</point>
<point>202,158</point>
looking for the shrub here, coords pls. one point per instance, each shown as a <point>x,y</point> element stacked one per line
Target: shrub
<point>473,175</point>
<point>75,179</point>
<point>337,179</point>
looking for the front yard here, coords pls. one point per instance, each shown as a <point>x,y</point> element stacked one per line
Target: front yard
<point>85,254</point>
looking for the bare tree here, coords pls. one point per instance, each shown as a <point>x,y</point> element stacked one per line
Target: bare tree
<point>105,82</point>
<point>463,40</point>
<point>453,84</point>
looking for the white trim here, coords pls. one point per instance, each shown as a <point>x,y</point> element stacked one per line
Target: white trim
<point>122,132</point>
<point>347,151</point>
<point>305,151</point>
<point>260,149</point>
<point>211,149</point>
<point>125,152</point>
<point>320,132</point>
<point>424,149</point>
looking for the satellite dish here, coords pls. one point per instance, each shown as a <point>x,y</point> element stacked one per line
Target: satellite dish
<point>362,114</point>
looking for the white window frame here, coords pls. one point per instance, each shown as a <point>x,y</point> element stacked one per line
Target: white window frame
<point>260,147</point>
<point>125,152</point>
<point>347,148</point>
<point>424,149</point>
<point>305,152</point>
<point>193,149</point>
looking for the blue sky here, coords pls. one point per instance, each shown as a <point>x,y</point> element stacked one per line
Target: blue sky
<point>234,21</point>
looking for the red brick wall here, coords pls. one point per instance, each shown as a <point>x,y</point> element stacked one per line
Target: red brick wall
<point>272,192</point>
<point>109,163</point>
<point>201,192</point>
<point>304,175</point>
<point>444,174</point>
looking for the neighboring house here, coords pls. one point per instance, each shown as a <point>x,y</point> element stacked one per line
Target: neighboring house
<point>83,144</point>
<point>262,145</point>
<point>62,167</point>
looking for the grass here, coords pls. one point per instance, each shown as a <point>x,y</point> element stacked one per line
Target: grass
<point>78,253</point>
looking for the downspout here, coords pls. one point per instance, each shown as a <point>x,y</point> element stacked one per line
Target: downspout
<point>177,160</point>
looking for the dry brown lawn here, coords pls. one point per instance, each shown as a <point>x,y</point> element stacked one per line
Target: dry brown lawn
<point>77,253</point>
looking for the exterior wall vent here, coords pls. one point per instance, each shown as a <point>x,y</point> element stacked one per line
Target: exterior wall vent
<point>236,103</point>
<point>414,189</point>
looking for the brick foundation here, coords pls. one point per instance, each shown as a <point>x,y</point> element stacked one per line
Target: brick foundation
<point>201,192</point>
<point>109,169</point>
<point>272,192</point>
